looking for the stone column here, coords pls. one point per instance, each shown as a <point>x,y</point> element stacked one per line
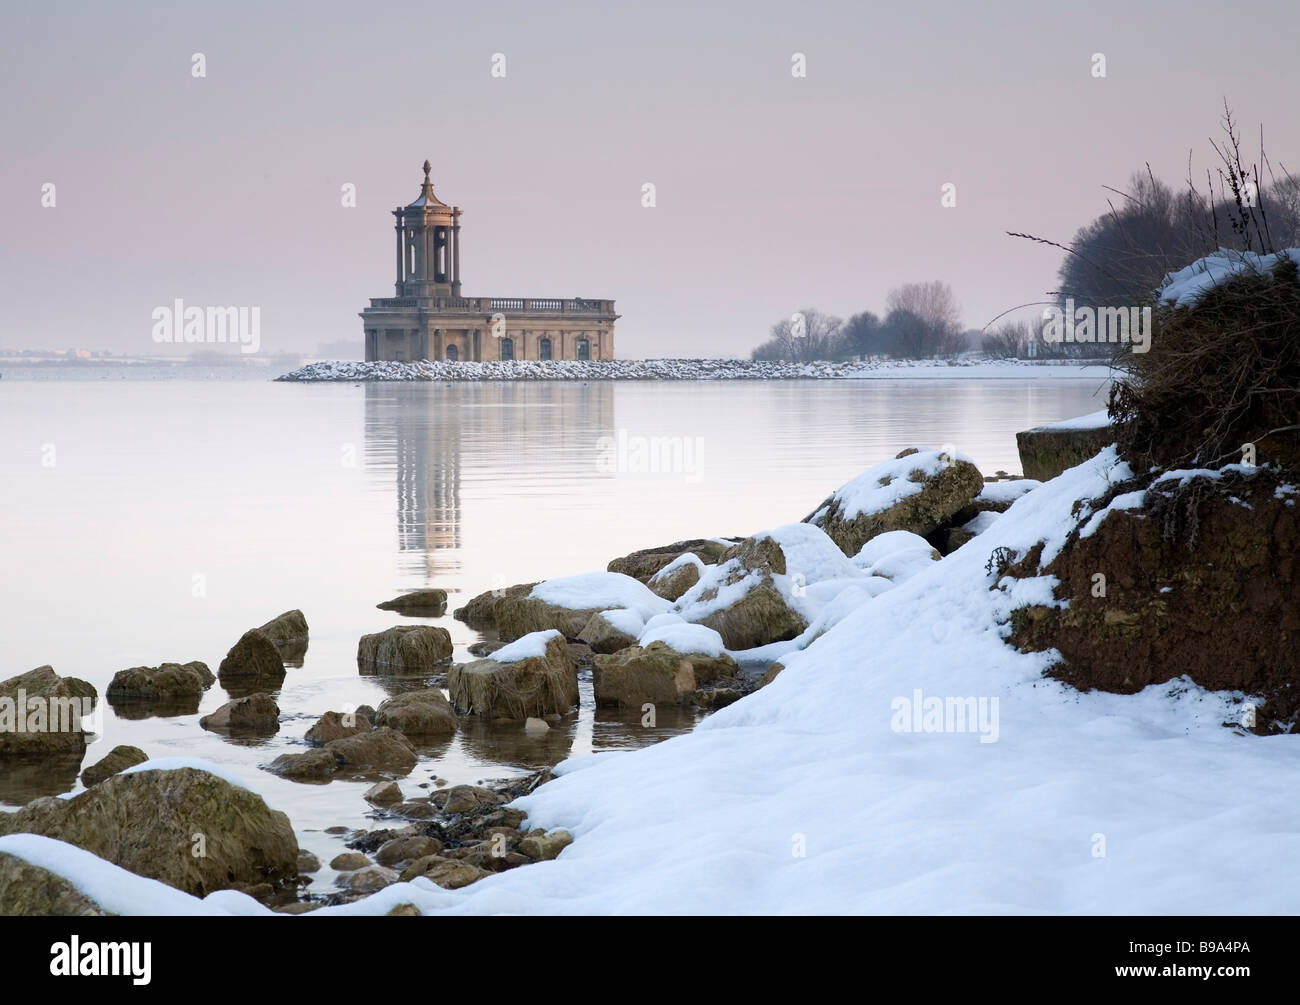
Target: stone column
<point>455,250</point>
<point>401,255</point>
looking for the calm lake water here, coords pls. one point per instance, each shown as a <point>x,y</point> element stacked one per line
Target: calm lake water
<point>156,521</point>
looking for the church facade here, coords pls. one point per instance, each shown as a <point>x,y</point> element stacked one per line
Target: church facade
<point>430,319</point>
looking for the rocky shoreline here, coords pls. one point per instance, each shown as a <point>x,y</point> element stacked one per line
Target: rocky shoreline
<point>676,369</point>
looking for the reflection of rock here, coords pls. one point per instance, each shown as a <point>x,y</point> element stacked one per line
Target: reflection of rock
<point>23,779</point>
<point>253,664</point>
<point>535,676</point>
<point>288,632</point>
<point>256,715</point>
<point>119,759</point>
<point>418,714</point>
<point>428,603</point>
<point>169,689</point>
<point>32,892</point>
<point>405,649</point>
<point>509,742</point>
<point>151,822</point>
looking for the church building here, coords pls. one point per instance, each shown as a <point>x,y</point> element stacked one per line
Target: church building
<point>430,319</point>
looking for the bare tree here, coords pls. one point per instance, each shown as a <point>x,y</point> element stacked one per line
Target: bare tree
<point>923,320</point>
<point>805,336</point>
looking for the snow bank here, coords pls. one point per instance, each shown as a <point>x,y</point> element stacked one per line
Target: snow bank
<point>600,590</point>
<point>1184,287</point>
<point>1093,420</point>
<point>173,763</point>
<point>808,797</point>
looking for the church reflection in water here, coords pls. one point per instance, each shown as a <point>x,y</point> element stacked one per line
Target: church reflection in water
<point>429,435</point>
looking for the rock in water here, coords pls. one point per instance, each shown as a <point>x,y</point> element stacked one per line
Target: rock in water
<point>423,714</point>
<point>543,681</point>
<point>384,749</point>
<point>480,612</point>
<point>118,759</point>
<point>253,664</point>
<point>184,827</point>
<point>169,689</point>
<point>404,649</point>
<point>656,674</point>
<point>288,633</point>
<point>917,491</point>
<point>428,603</point>
<point>256,715</point>
<point>29,891</point>
<point>336,726</point>
<point>41,712</point>
<point>383,794</point>
<point>310,766</point>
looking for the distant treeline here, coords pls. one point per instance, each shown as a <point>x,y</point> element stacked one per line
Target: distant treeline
<point>921,321</point>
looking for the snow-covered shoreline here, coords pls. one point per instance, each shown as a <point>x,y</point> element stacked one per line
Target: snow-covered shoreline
<point>697,369</point>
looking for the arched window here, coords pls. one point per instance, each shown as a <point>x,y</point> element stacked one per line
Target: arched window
<point>453,353</point>
<point>507,348</point>
<point>584,349</point>
<point>544,349</point>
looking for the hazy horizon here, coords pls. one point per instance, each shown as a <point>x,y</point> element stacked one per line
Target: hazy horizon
<point>774,193</point>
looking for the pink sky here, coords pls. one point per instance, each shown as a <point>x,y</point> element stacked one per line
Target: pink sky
<point>774,193</point>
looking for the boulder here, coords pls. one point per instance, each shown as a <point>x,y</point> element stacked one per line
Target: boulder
<point>535,676</point>
<point>423,714</point>
<point>29,891</point>
<point>917,491</point>
<point>677,576</point>
<point>542,847</point>
<point>656,674</point>
<point>370,878</point>
<point>480,612</point>
<point>336,726</point>
<point>741,598</point>
<point>41,712</point>
<point>567,604</point>
<point>307,862</point>
<point>288,632</point>
<point>610,631</point>
<point>310,766</point>
<point>418,603</point>
<point>407,849</point>
<point>253,664</point>
<point>520,616</point>
<point>644,564</point>
<point>383,749</point>
<point>168,689</point>
<point>405,649</point>
<point>1046,451</point>
<point>256,715</point>
<point>383,794</point>
<point>445,872</point>
<point>119,759</point>
<point>404,911</point>
<point>184,827</point>
<point>348,861</point>
<point>465,798</point>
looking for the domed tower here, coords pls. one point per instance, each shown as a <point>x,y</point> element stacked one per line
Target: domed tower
<point>428,245</point>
